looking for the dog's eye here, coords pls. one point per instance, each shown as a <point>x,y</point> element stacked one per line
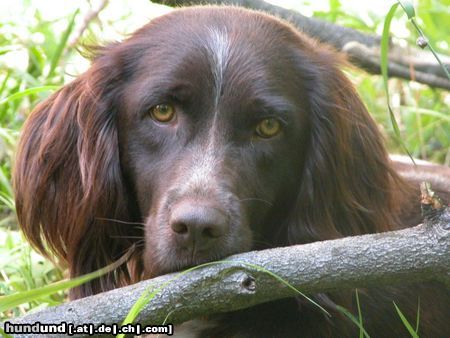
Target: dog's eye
<point>268,128</point>
<point>162,113</point>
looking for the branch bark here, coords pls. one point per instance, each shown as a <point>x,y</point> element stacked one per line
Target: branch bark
<point>363,49</point>
<point>416,254</point>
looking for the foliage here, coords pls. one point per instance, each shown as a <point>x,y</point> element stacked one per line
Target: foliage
<point>421,112</point>
<point>32,60</point>
<point>21,270</point>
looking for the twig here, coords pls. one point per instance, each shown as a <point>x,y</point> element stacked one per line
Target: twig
<point>88,18</point>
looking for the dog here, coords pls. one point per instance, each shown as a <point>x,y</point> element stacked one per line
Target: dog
<point>209,132</point>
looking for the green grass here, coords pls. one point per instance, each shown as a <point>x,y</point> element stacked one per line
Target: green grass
<point>411,330</point>
<point>23,270</point>
<point>43,292</point>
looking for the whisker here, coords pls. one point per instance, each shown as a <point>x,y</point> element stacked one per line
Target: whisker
<point>140,243</point>
<point>119,221</point>
<point>256,199</point>
<point>130,251</point>
<point>131,237</point>
<point>262,243</point>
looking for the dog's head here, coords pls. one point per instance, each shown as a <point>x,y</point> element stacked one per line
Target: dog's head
<point>218,130</point>
<point>207,126</point>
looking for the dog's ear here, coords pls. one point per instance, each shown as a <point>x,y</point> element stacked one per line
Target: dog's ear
<point>68,179</point>
<point>347,186</point>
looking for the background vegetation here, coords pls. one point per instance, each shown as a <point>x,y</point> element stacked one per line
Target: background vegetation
<point>38,54</point>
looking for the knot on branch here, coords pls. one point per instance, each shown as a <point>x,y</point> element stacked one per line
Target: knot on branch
<point>248,283</point>
<point>431,204</point>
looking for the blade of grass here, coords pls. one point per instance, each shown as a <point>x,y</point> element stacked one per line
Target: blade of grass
<point>9,135</point>
<point>26,92</point>
<point>5,81</point>
<point>423,111</point>
<point>408,8</point>
<point>4,334</point>
<point>345,312</point>
<point>146,297</point>
<point>416,26</point>
<point>361,332</point>
<point>7,220</point>
<point>8,201</point>
<point>384,49</point>
<point>418,316</point>
<point>282,281</point>
<point>406,323</point>
<point>5,183</point>
<point>11,301</point>
<point>62,45</point>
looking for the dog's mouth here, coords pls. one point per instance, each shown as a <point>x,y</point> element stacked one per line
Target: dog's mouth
<point>201,257</point>
<point>172,255</point>
<point>188,231</point>
<point>183,260</point>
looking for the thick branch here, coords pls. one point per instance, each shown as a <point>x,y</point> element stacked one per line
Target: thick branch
<point>416,254</point>
<point>363,49</point>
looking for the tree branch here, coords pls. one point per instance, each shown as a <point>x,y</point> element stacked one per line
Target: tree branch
<point>416,254</point>
<point>88,18</point>
<point>363,49</point>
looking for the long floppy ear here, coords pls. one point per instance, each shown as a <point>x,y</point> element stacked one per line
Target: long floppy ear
<point>348,186</point>
<point>68,179</point>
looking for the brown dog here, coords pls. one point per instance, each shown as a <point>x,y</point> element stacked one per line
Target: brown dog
<point>220,130</point>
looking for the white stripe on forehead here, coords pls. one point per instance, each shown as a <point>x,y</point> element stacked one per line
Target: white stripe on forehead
<point>218,48</point>
<point>202,173</point>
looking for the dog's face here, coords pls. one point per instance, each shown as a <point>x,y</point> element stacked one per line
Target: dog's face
<point>220,130</point>
<point>209,132</point>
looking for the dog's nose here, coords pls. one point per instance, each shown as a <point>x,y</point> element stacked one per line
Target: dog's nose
<point>198,225</point>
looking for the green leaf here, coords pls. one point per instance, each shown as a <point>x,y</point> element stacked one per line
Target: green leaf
<point>436,56</point>
<point>344,311</point>
<point>384,52</point>
<point>11,301</point>
<point>6,50</point>
<point>26,92</point>
<point>147,296</point>
<point>8,201</point>
<point>4,334</point>
<point>423,111</point>
<point>408,7</point>
<point>384,47</point>
<point>406,323</point>
<point>9,135</point>
<point>37,57</point>
<point>361,327</point>
<point>5,81</point>
<point>409,10</point>
<point>418,316</point>
<point>62,45</point>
